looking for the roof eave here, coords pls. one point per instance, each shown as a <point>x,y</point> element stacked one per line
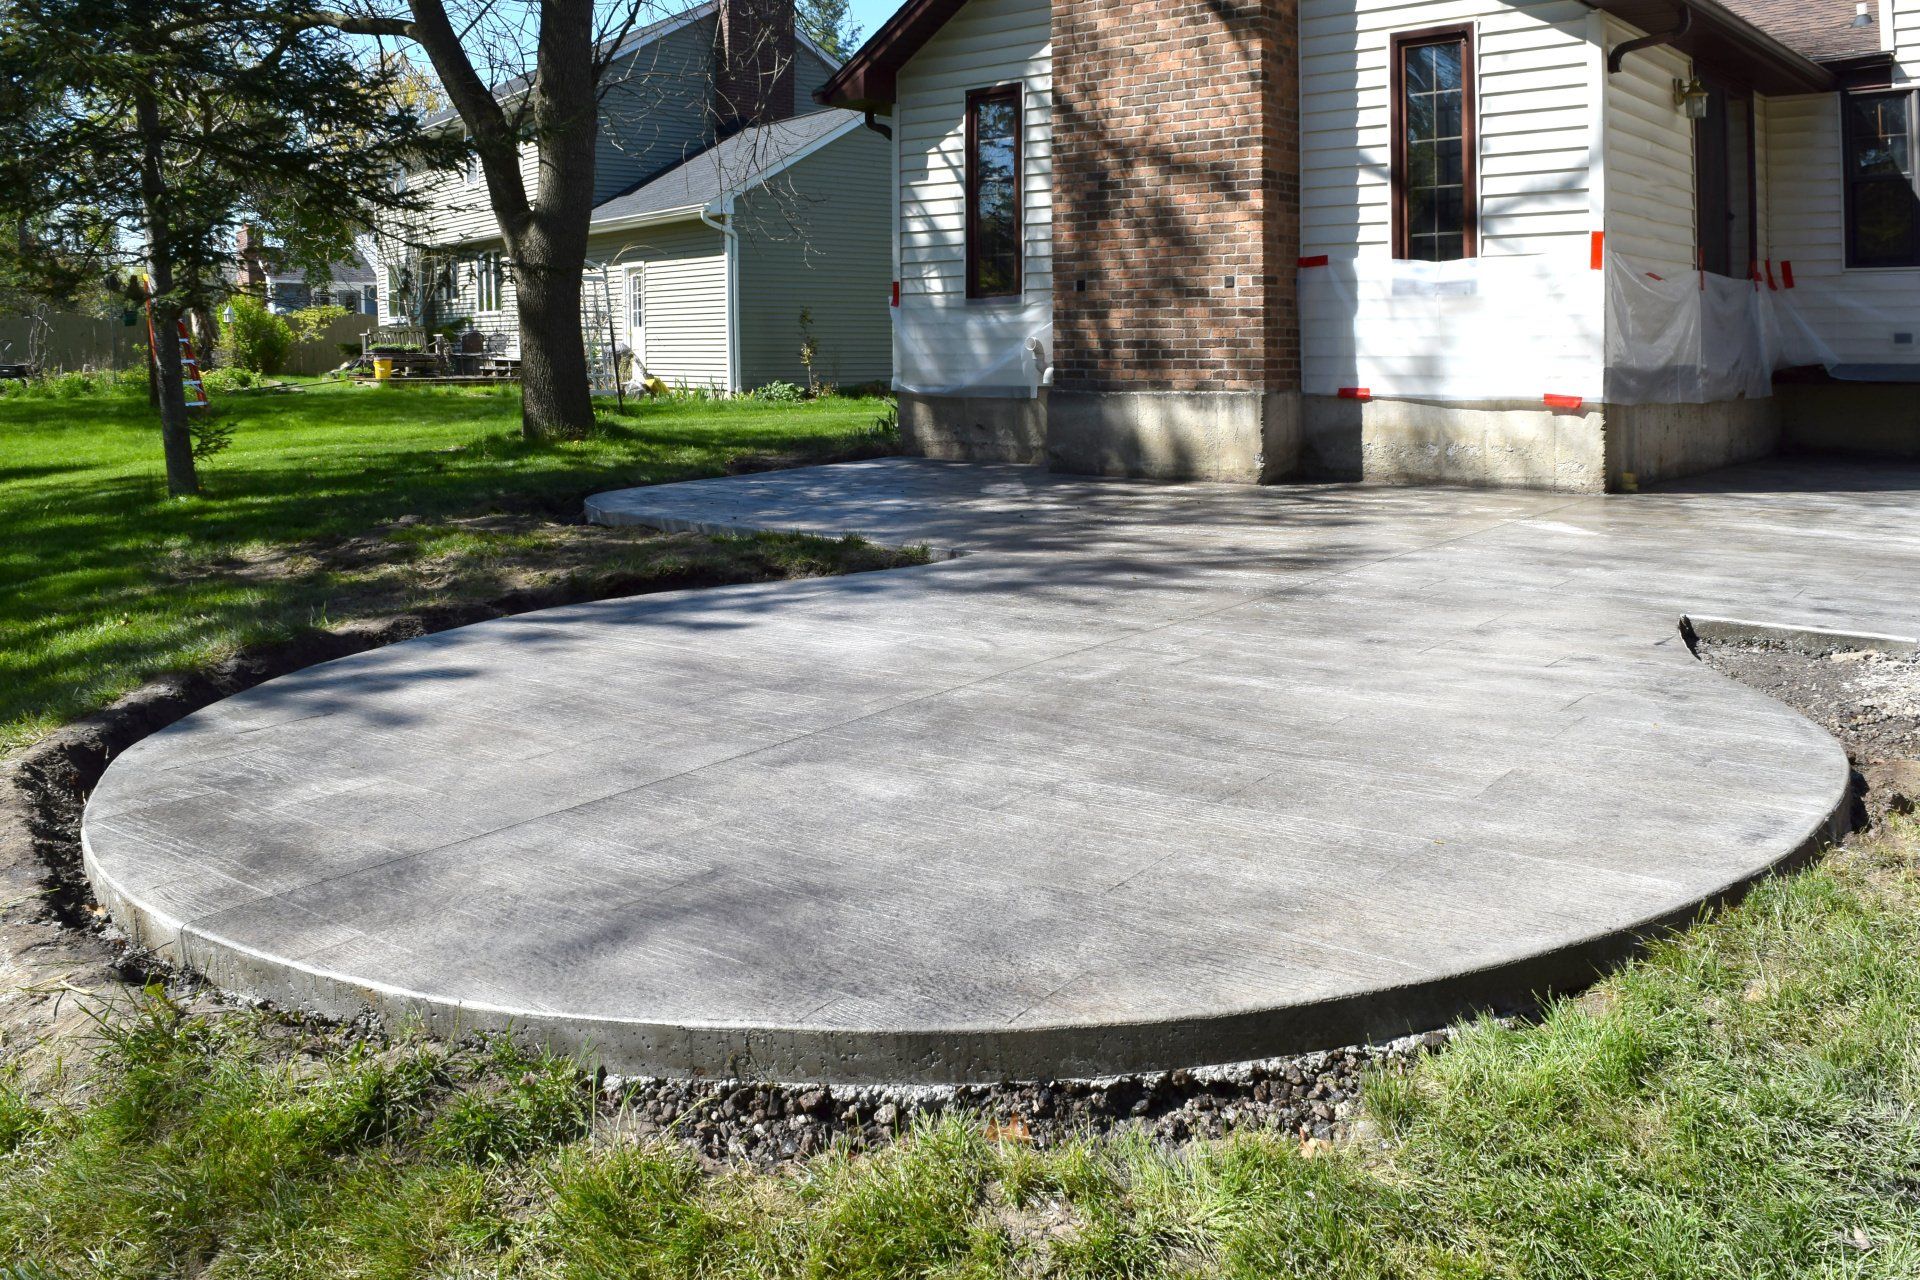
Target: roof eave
<point>654,218</point>
<point>1726,46</point>
<point>866,81</point>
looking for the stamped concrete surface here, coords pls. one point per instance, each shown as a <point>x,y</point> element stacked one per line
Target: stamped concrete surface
<point>1144,775</point>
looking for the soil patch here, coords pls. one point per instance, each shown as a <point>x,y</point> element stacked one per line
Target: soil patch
<point>1867,698</point>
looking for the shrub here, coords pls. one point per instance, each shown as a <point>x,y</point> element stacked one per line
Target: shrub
<point>780,393</point>
<point>76,385</point>
<point>229,379</point>
<point>309,323</point>
<point>254,338</point>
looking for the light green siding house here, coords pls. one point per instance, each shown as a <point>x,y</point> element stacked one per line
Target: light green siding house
<point>724,267</point>
<point>716,252</point>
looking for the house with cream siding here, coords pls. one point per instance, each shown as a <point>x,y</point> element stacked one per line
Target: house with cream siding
<point>1571,244</point>
<point>718,247</point>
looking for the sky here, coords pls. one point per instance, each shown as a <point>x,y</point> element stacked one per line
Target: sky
<point>870,14</point>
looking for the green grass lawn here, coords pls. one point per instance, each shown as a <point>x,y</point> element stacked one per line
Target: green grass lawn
<point>105,581</point>
<point>1745,1102</point>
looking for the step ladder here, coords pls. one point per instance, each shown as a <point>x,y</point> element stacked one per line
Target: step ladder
<point>192,390</point>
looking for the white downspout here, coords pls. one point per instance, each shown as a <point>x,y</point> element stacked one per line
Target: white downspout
<point>733,287</point>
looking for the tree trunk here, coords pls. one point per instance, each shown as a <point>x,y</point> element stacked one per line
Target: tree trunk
<point>176,441</point>
<point>551,248</point>
<point>556,397</point>
<point>205,335</point>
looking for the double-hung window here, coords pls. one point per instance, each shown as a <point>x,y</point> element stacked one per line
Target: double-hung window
<point>995,261</point>
<point>487,278</point>
<point>1883,209</point>
<point>1432,159</point>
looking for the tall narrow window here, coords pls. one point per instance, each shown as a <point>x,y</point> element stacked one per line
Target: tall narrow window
<point>1883,212</point>
<point>486,279</point>
<point>994,258</point>
<point>1433,144</point>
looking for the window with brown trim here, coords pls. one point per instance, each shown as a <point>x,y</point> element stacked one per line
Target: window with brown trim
<point>1883,209</point>
<point>994,257</point>
<point>1433,144</point>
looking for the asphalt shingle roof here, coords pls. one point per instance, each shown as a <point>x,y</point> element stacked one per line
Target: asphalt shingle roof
<point>741,161</point>
<point>1821,30</point>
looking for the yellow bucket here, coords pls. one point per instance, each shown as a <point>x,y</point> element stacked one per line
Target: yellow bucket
<point>382,368</point>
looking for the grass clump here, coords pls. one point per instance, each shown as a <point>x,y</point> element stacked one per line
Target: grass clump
<point>1744,1101</point>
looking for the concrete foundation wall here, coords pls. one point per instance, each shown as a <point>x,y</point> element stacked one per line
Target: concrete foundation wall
<point>1505,445</point>
<point>970,429</point>
<point>1255,438</point>
<point>1850,417</point>
<point>1647,443</point>
<point>1245,437</point>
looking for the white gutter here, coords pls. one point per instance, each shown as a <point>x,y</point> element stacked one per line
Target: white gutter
<point>653,219</point>
<point>725,207</point>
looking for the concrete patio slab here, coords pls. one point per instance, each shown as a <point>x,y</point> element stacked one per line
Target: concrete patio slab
<point>1143,776</point>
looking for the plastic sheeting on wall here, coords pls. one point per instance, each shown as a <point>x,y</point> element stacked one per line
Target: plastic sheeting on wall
<point>1512,328</point>
<point>1534,327</point>
<point>1696,337</point>
<point>953,348</point>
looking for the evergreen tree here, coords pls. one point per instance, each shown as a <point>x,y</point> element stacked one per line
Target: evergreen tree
<point>148,130</point>
<point>828,24</point>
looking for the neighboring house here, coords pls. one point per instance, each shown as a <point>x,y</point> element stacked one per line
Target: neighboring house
<point>719,244</point>
<point>259,270</point>
<point>1478,241</point>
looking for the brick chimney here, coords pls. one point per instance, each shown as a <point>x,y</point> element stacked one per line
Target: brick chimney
<point>1176,230</point>
<point>752,64</point>
<point>247,246</point>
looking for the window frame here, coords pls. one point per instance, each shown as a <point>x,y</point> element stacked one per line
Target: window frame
<point>1016,94</point>
<point>1848,182</point>
<point>398,288</point>
<point>1399,44</point>
<point>488,276</point>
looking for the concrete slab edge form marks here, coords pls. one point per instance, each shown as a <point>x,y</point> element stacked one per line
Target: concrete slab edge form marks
<point>1152,775</point>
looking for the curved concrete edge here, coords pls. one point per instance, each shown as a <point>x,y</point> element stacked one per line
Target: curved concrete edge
<point>602,512</point>
<point>966,1056</point>
<point>1698,627</point>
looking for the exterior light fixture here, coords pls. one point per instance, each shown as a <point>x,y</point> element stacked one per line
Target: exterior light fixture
<point>1691,97</point>
<point>1862,16</point>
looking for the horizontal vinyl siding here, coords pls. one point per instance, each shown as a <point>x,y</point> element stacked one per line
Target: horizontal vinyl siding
<point>653,113</point>
<point>989,42</point>
<point>1857,312</point>
<point>686,298</point>
<point>810,72</point>
<point>1534,68</point>
<point>816,237</point>
<point>458,211</point>
<point>1905,40</point>
<point>1649,159</point>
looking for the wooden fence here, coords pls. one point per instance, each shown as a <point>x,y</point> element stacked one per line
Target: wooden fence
<point>82,342</point>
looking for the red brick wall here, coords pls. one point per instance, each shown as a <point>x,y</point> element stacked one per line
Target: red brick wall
<point>1176,167</point>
